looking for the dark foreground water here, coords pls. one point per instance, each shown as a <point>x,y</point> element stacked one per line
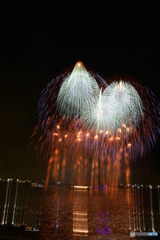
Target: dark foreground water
<point>60,212</point>
<point>98,214</point>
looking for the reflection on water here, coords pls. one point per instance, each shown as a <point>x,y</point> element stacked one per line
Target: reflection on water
<point>102,223</point>
<point>70,213</point>
<point>21,203</point>
<point>80,213</point>
<point>107,213</point>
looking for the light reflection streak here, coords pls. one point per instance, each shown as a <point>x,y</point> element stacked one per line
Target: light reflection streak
<point>80,187</point>
<point>57,210</point>
<point>10,185</point>
<point>158,199</point>
<point>102,226</point>
<point>22,204</point>
<point>80,212</point>
<point>139,212</point>
<point>143,210</point>
<point>151,205</point>
<point>14,209</point>
<point>5,205</point>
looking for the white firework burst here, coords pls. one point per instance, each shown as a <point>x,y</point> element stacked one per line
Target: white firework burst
<point>125,101</point>
<point>77,89</point>
<point>100,115</point>
<point>119,103</point>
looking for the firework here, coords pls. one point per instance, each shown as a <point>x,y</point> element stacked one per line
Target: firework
<point>77,117</point>
<point>117,104</point>
<point>47,107</point>
<point>101,115</point>
<point>122,116</point>
<point>77,89</point>
<point>126,102</point>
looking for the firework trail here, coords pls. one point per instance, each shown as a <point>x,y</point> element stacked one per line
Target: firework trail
<point>47,107</point>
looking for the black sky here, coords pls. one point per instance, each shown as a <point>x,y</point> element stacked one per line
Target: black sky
<point>41,39</point>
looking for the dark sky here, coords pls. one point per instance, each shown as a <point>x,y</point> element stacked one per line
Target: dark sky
<point>41,39</point>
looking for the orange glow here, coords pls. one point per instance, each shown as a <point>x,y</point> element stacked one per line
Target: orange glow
<point>96,171</point>
<point>79,64</point>
<point>54,134</point>
<point>87,135</point>
<point>78,135</point>
<point>63,167</point>
<point>119,130</point>
<point>82,141</point>
<point>56,151</point>
<point>96,137</point>
<point>120,85</point>
<point>92,176</point>
<point>80,214</point>
<point>117,138</point>
<point>48,172</point>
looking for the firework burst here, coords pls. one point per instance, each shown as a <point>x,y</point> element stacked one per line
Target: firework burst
<point>125,101</point>
<point>118,121</point>
<point>76,90</point>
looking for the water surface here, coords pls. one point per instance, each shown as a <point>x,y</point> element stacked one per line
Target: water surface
<point>98,214</point>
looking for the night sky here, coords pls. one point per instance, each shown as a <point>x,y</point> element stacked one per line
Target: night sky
<point>41,40</point>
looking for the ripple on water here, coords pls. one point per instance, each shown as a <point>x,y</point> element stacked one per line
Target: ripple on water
<point>69,214</point>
